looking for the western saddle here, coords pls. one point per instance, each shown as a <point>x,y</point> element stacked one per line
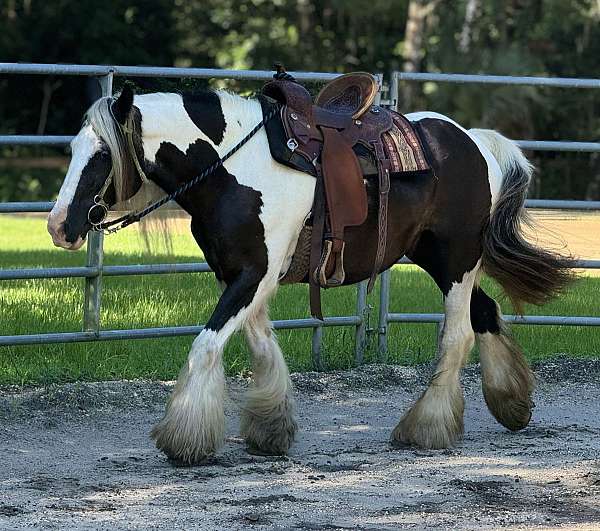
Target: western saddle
<point>320,139</point>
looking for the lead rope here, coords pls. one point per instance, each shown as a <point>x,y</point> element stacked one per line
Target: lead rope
<point>110,227</point>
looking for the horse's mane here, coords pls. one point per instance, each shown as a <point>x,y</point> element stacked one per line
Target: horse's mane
<point>101,118</point>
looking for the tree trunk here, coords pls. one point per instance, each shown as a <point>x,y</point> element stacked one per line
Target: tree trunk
<point>49,87</point>
<point>466,34</point>
<point>414,35</point>
<point>304,9</point>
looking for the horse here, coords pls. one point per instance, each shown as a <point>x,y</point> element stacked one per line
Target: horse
<point>464,219</point>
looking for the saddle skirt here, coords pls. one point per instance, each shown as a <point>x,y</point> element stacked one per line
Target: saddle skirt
<point>403,147</point>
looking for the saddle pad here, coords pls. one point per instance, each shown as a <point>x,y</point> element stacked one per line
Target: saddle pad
<point>403,146</point>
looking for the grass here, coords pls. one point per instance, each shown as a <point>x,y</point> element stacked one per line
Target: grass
<point>33,306</point>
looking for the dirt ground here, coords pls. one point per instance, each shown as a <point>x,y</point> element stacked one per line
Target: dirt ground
<point>578,231</point>
<point>79,456</point>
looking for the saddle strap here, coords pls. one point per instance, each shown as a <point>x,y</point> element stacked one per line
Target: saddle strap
<point>318,230</point>
<point>383,171</point>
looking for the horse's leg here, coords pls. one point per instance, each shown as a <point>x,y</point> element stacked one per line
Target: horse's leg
<point>194,423</point>
<point>506,377</point>
<point>268,419</point>
<point>436,419</point>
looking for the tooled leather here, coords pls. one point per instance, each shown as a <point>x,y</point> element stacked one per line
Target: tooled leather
<point>351,94</point>
<point>292,94</point>
<point>308,133</point>
<point>348,101</point>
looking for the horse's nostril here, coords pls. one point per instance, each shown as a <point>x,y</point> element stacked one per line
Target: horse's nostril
<point>56,229</point>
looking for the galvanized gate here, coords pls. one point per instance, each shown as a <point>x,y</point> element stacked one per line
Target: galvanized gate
<point>94,270</point>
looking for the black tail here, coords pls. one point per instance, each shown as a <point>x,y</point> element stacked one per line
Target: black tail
<point>527,273</point>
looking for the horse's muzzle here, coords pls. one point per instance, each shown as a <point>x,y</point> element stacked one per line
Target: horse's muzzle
<point>56,229</point>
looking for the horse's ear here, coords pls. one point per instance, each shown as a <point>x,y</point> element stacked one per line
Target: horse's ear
<point>122,106</point>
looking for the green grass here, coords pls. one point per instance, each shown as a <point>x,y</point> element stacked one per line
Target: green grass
<point>55,305</point>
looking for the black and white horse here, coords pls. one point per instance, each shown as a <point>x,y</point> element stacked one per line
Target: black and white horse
<point>246,217</point>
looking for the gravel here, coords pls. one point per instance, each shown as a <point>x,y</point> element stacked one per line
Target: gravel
<point>79,456</point>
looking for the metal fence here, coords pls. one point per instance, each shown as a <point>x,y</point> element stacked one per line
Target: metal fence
<point>94,270</point>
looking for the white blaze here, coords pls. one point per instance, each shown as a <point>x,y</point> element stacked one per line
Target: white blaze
<point>83,148</point>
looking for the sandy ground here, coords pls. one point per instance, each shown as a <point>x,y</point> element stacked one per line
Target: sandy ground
<point>79,456</point>
<point>578,231</point>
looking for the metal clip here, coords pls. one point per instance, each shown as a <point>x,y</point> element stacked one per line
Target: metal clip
<point>292,144</point>
<point>294,116</point>
<point>375,110</point>
<point>96,220</point>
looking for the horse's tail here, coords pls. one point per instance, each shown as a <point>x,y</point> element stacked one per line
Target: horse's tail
<point>526,272</point>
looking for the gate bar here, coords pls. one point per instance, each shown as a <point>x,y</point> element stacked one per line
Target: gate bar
<point>168,331</point>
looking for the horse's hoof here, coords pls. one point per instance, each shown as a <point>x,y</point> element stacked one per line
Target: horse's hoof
<point>269,432</point>
<point>262,442</point>
<point>182,446</point>
<point>428,437</point>
<point>428,425</point>
<point>254,450</point>
<point>514,413</point>
<point>269,436</point>
<point>178,463</point>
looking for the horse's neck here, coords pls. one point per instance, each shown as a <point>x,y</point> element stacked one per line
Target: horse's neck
<point>165,119</point>
<point>241,115</point>
<point>177,148</point>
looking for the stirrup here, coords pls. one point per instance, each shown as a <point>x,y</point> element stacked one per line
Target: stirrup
<point>338,276</point>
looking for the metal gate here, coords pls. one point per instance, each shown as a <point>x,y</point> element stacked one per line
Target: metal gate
<point>94,270</point>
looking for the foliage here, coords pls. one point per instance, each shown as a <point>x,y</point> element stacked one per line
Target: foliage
<point>519,37</point>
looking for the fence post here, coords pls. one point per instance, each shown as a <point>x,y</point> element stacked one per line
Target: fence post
<point>384,309</point>
<point>95,254</point>
<point>315,348</point>
<point>360,338</point>
<point>384,278</point>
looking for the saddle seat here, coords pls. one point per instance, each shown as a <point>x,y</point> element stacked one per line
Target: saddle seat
<point>350,94</point>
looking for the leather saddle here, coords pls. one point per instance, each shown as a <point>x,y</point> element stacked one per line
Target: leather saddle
<point>322,138</point>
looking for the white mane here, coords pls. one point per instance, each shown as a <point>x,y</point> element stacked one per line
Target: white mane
<point>100,117</point>
<point>104,124</point>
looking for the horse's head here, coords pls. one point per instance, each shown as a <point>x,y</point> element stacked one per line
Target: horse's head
<point>101,172</point>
